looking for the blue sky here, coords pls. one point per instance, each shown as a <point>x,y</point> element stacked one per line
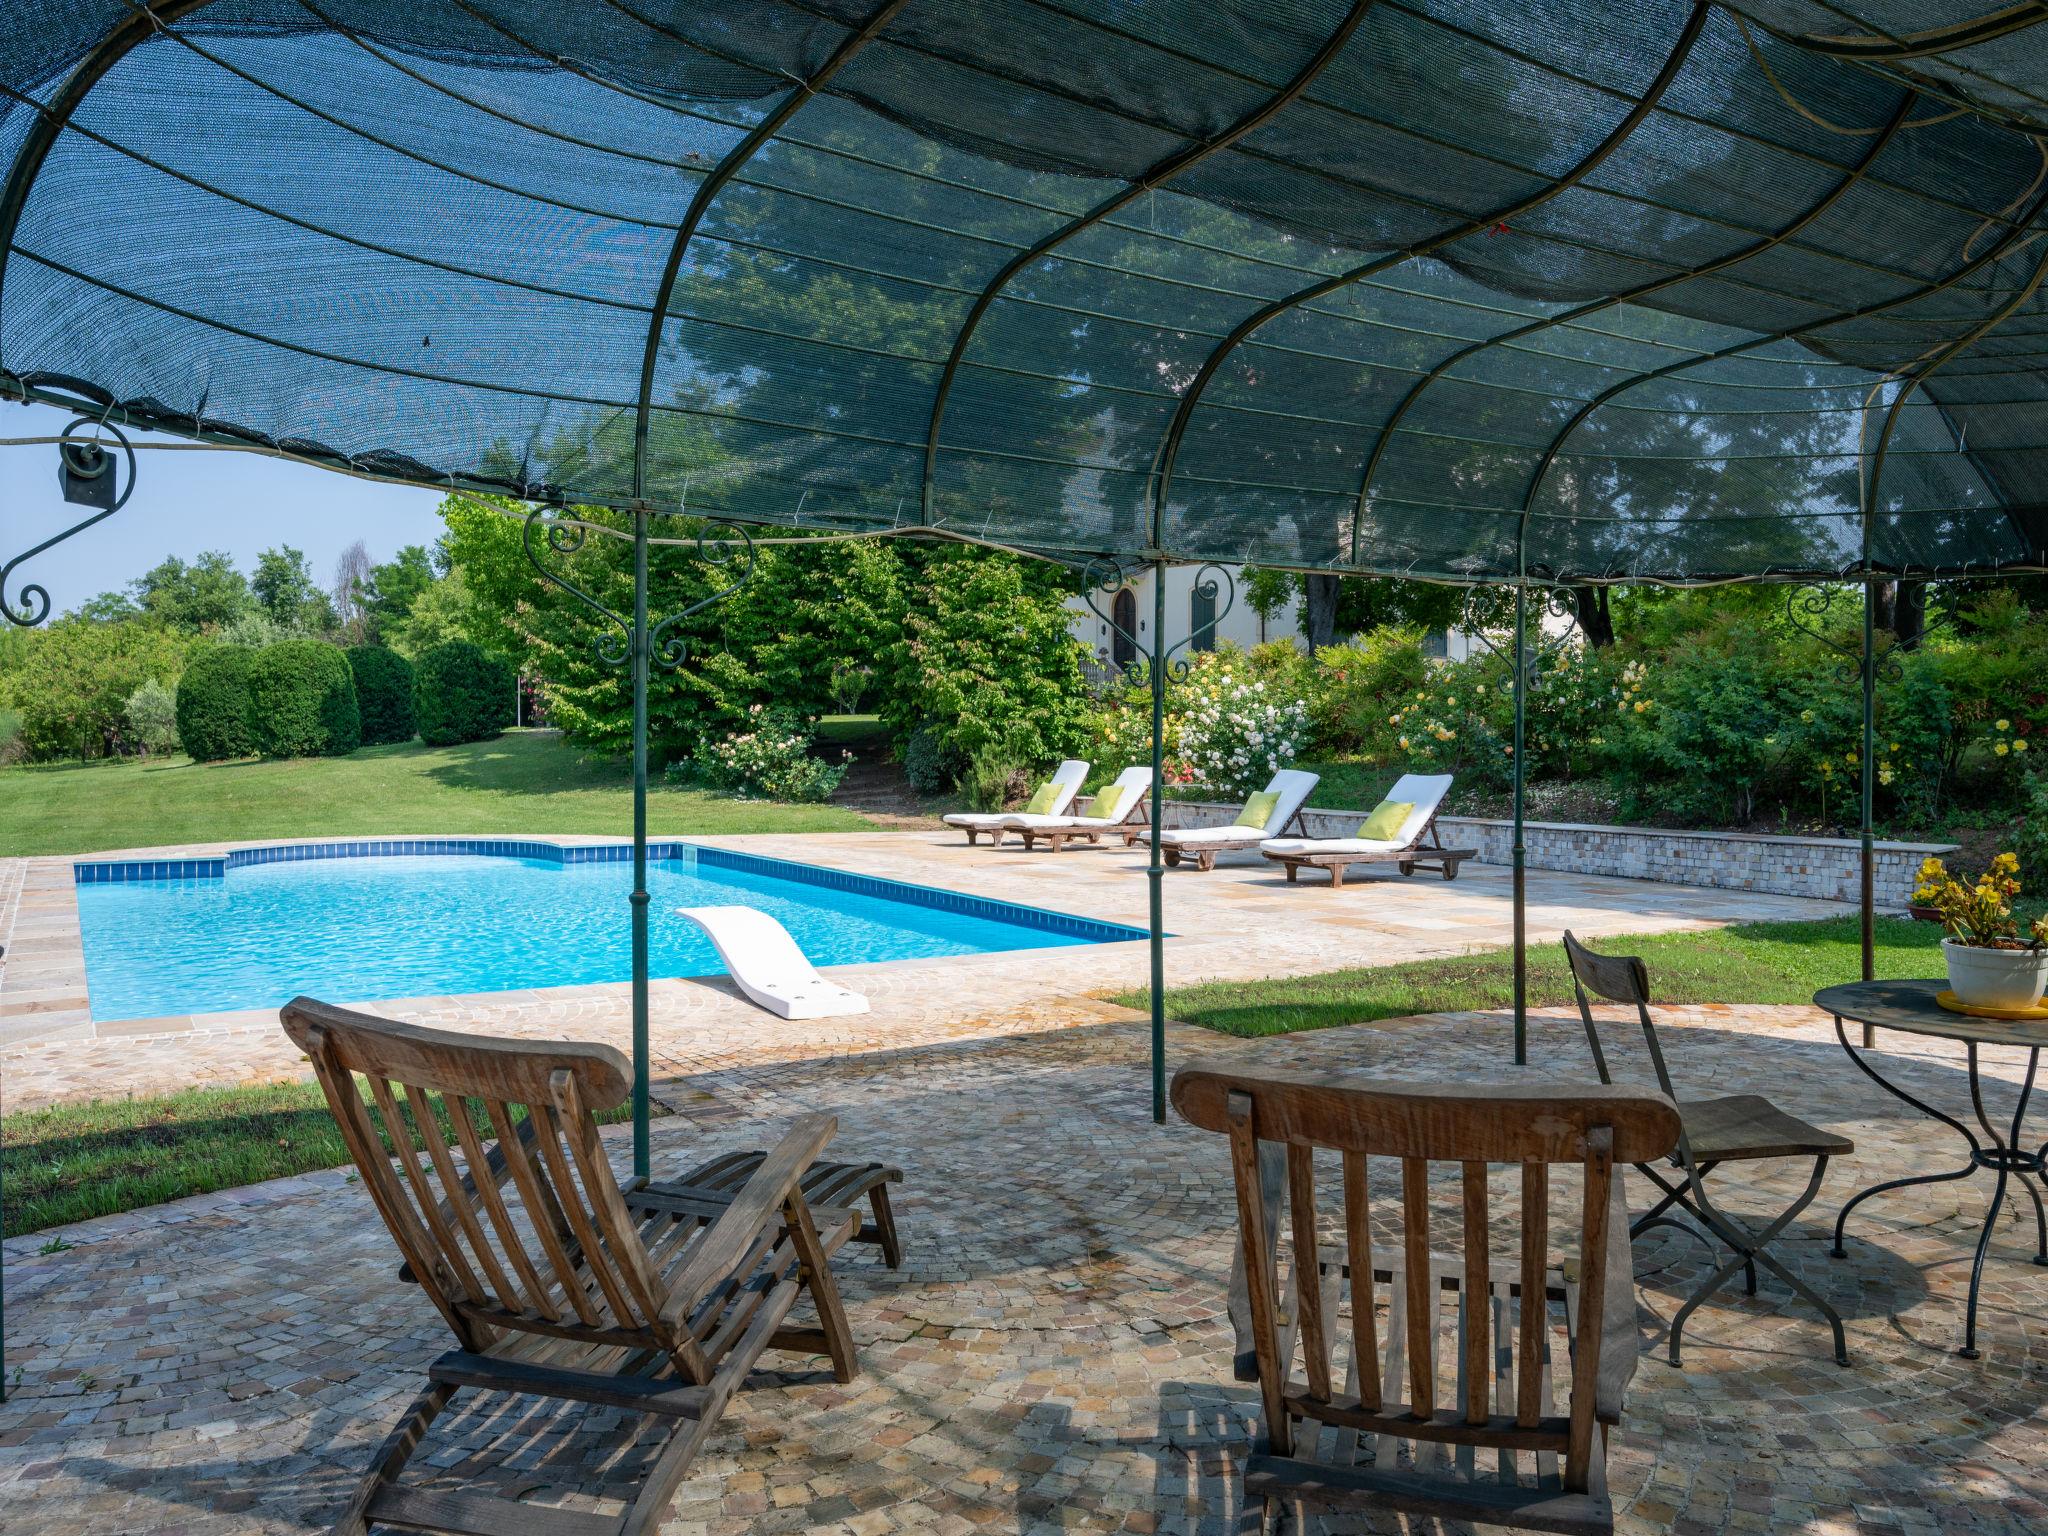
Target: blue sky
<point>188,502</point>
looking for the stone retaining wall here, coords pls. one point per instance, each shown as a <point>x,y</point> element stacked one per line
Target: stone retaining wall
<point>1824,867</point>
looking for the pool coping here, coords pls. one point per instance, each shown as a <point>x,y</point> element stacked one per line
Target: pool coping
<point>55,1003</point>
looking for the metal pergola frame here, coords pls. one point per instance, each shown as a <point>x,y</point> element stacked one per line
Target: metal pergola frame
<point>641,640</point>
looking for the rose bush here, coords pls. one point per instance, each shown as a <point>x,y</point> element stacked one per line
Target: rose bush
<point>768,759</point>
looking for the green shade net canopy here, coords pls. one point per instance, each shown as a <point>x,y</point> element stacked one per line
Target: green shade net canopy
<point>1444,288</point>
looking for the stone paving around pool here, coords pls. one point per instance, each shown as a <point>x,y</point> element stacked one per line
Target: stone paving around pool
<point>1053,1354</point>
<point>1241,920</point>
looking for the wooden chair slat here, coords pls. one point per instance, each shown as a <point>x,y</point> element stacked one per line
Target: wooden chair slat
<point>1308,1269</point>
<point>1244,1164</point>
<point>1421,1294</point>
<point>576,1205</point>
<point>487,1169</point>
<point>1534,1305</point>
<point>1591,1304</point>
<point>546,1216</point>
<point>400,1135</point>
<point>1358,1255</point>
<point>1476,1298</point>
<point>622,1246</point>
<point>456,1196</point>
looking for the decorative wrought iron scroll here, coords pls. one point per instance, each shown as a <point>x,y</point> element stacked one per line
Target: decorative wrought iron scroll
<point>666,649</point>
<point>1539,648</point>
<point>85,458</point>
<point>1806,607</point>
<point>1105,575</point>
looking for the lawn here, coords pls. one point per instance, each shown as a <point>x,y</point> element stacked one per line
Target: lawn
<point>72,1162</point>
<point>1747,963</point>
<point>523,782</point>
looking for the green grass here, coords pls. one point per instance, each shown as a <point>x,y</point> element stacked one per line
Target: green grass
<point>1780,962</point>
<point>523,782</point>
<point>72,1162</point>
<point>851,730</point>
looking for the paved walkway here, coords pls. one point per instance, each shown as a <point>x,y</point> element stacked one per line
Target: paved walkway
<point>1239,921</point>
<point>1052,1355</point>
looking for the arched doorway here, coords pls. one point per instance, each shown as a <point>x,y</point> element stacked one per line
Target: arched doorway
<point>1123,612</point>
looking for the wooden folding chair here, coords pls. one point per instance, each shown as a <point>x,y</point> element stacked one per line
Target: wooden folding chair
<point>483,1158</point>
<point>1499,1453</point>
<point>1744,1128</point>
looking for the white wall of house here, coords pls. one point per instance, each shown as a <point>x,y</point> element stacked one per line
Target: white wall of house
<point>1239,625</point>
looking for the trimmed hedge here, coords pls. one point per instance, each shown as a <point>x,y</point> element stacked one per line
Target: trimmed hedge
<point>302,700</point>
<point>213,703</point>
<point>383,694</point>
<point>461,693</point>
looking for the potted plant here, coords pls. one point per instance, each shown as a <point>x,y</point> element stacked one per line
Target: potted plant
<point>1991,964</point>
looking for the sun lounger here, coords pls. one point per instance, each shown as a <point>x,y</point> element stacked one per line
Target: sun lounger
<point>558,1282</point>
<point>767,965</point>
<point>1202,844</point>
<point>1424,794</point>
<point>1067,780</point>
<point>1127,795</point>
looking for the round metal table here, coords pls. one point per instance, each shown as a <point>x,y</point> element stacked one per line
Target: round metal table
<point>1909,1006</point>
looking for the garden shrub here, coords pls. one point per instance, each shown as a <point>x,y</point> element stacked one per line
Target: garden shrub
<point>71,684</point>
<point>929,764</point>
<point>770,759</point>
<point>461,693</point>
<point>2032,843</point>
<point>1236,728</point>
<point>152,712</point>
<point>302,700</point>
<point>213,704</point>
<point>384,682</point>
<point>1349,686</point>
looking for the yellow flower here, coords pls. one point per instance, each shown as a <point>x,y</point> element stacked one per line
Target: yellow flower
<point>1404,743</point>
<point>2001,749</point>
<point>2020,745</point>
<point>1850,758</point>
<point>1806,715</point>
<point>1894,747</point>
<point>2003,725</point>
<point>1641,706</point>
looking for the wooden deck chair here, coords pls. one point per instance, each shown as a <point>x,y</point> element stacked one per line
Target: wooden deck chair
<point>1360,1415</point>
<point>1737,1128</point>
<point>557,1281</point>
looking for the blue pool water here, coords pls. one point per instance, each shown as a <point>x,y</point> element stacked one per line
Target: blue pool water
<point>361,928</point>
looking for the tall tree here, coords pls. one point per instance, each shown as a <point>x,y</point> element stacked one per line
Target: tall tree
<point>391,589</point>
<point>284,588</point>
<point>206,594</point>
<point>351,573</point>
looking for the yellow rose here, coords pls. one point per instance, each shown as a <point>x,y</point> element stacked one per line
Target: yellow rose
<point>2020,745</point>
<point>2001,749</point>
<point>2004,725</point>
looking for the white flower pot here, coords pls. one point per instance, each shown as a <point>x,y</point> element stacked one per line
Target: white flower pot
<point>1996,978</point>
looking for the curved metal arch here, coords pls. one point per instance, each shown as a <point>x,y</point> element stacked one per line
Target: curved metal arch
<point>1191,398</point>
<point>1163,171</point>
<point>1912,387</point>
<point>1885,46</point>
<point>1769,242</point>
<point>1993,253</point>
<point>707,190</point>
<point>123,39</point>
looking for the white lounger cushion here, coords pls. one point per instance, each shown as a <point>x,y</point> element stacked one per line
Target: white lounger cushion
<point>1294,846</point>
<point>1069,777</point>
<point>766,964</point>
<point>1292,785</point>
<point>1424,791</point>
<point>1138,777</point>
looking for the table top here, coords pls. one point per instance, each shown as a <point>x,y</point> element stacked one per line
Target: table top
<point>1910,1006</point>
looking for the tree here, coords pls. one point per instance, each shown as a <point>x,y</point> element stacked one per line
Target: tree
<point>390,590</point>
<point>152,711</point>
<point>351,574</point>
<point>207,594</point>
<point>284,587</point>
<point>384,684</point>
<point>440,613</point>
<point>71,687</point>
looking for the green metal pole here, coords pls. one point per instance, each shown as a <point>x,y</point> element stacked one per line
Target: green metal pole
<point>640,897</point>
<point>1869,874</point>
<point>1520,851</point>
<point>1155,873</point>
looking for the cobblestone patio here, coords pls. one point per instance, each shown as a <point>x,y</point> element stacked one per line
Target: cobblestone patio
<point>1053,1355</point>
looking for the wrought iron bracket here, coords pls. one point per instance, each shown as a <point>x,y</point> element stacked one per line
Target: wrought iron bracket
<point>1806,605</point>
<point>1539,649</point>
<point>666,649</point>
<point>85,459</point>
<point>1104,574</point>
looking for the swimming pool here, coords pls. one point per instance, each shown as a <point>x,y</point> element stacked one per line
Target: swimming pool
<point>425,917</point>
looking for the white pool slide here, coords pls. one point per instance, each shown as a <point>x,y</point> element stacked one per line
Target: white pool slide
<point>769,968</point>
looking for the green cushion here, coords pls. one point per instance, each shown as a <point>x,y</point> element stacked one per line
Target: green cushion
<point>1386,820</point>
<point>1114,802</point>
<point>1041,804</point>
<point>1258,809</point>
